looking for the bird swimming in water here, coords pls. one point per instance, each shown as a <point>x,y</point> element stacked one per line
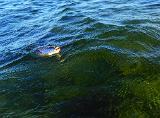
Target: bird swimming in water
<point>47,51</point>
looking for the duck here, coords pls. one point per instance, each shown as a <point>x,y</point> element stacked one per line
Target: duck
<point>47,51</point>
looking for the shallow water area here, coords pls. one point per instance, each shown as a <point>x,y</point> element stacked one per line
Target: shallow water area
<point>109,65</point>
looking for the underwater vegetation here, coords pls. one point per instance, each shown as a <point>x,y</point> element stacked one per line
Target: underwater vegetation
<point>94,83</point>
<point>108,66</point>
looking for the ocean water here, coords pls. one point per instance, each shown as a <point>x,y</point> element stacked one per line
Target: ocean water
<point>109,66</point>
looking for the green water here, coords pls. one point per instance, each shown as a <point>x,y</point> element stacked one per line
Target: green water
<point>109,65</point>
<point>94,83</point>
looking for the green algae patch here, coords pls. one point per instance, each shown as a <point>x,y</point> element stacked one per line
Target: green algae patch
<point>95,83</point>
<point>142,98</point>
<point>100,73</point>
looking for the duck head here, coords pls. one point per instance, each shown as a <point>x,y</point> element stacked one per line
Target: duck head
<point>55,51</point>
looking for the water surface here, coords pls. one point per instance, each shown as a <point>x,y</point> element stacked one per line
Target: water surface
<point>109,64</point>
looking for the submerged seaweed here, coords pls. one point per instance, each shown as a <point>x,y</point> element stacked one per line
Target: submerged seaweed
<point>88,84</point>
<point>109,66</point>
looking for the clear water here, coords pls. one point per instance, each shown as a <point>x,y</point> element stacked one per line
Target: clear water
<point>109,65</point>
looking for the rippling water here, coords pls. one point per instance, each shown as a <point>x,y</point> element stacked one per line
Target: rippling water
<point>109,64</point>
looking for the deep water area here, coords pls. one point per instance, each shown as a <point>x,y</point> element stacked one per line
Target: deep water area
<point>109,66</point>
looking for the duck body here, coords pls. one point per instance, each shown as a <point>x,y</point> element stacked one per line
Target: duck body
<point>47,51</point>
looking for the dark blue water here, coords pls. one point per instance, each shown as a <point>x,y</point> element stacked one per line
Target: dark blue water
<point>109,65</point>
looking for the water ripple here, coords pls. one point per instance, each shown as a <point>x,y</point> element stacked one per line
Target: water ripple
<point>110,50</point>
